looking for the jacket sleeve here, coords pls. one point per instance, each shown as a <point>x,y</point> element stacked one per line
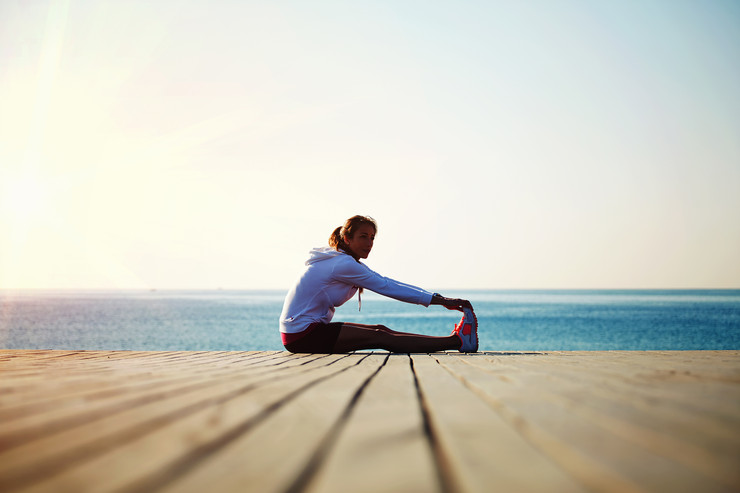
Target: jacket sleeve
<point>352,272</point>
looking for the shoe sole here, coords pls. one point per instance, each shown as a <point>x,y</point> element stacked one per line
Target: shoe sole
<point>468,333</point>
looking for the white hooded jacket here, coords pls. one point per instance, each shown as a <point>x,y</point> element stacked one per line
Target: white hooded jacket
<point>330,279</point>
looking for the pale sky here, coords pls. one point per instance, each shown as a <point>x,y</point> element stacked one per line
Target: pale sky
<point>211,144</point>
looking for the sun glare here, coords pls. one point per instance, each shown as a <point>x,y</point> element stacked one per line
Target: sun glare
<point>24,198</point>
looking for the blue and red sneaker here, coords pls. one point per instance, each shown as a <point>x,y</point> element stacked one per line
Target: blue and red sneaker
<point>467,331</point>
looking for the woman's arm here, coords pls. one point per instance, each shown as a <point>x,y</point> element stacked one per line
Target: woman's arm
<point>450,303</point>
<point>349,271</point>
<point>352,272</point>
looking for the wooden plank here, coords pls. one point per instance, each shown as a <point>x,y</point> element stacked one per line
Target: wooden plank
<point>66,404</point>
<point>186,421</point>
<point>158,454</point>
<point>99,387</point>
<point>283,451</point>
<point>97,365</point>
<point>64,450</point>
<point>704,411</point>
<point>556,423</point>
<point>479,449</point>
<point>74,378</point>
<point>384,438</point>
<point>697,440</point>
<point>79,412</point>
<point>656,369</point>
<point>585,470</point>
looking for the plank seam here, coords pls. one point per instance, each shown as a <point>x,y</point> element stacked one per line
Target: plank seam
<point>304,478</point>
<point>56,464</point>
<point>551,448</point>
<point>190,460</point>
<point>13,439</point>
<point>443,469</point>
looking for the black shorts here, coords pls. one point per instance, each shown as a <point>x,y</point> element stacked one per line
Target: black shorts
<point>316,338</point>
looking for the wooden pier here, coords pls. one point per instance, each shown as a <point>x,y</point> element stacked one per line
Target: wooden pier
<point>125,421</point>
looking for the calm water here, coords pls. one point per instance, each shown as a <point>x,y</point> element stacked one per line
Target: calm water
<point>247,320</point>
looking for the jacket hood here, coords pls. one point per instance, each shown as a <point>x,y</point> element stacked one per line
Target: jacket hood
<point>322,253</point>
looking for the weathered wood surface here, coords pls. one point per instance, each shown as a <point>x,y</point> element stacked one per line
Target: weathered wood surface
<point>130,421</point>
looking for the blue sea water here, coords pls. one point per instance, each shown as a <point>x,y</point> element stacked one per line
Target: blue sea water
<point>247,320</point>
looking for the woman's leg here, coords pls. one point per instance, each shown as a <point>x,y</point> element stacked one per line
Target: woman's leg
<point>353,337</point>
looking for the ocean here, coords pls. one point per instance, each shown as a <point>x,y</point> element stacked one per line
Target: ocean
<point>247,320</point>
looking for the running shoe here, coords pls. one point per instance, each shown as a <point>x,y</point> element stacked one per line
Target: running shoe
<point>467,331</point>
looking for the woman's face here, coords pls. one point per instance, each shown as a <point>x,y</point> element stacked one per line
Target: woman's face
<point>362,242</point>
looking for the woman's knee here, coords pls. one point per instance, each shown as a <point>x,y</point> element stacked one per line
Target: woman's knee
<point>382,328</point>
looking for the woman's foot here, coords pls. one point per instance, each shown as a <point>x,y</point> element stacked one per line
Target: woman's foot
<point>467,331</point>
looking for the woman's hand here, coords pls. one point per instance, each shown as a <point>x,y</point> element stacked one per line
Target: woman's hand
<point>450,303</point>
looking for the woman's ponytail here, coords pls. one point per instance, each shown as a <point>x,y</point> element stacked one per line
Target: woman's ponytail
<point>335,240</point>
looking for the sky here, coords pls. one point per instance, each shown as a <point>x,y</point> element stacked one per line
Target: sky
<point>499,145</point>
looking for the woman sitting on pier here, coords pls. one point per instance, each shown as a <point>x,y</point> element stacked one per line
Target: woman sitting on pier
<point>333,275</point>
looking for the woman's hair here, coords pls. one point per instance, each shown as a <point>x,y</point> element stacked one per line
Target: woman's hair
<point>351,225</point>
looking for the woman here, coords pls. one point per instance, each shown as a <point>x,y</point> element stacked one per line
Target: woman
<point>333,275</point>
